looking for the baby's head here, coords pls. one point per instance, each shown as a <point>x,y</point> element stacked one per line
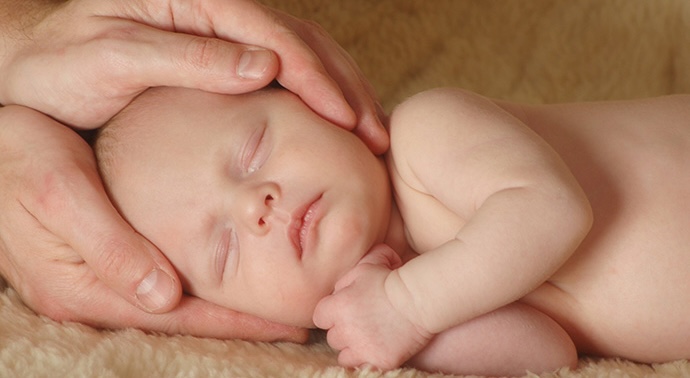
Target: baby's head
<point>259,204</point>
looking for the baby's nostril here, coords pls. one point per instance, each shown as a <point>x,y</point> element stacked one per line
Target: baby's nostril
<point>269,198</point>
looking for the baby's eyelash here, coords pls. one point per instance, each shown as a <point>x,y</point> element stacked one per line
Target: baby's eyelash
<point>252,168</point>
<point>227,250</point>
<point>221,255</point>
<point>256,153</point>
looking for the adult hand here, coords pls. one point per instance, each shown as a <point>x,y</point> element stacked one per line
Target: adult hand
<point>82,61</point>
<point>361,321</point>
<point>70,256</point>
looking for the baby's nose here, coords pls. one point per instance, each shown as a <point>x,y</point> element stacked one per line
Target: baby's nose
<point>259,210</point>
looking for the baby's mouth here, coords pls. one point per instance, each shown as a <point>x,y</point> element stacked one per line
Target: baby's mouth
<point>302,225</point>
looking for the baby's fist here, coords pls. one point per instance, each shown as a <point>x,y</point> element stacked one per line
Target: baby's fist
<point>361,321</point>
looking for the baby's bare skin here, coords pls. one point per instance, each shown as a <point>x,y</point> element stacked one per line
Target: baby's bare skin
<point>527,234</point>
<point>624,290</point>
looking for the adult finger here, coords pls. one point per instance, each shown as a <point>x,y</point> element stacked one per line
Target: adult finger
<point>211,64</point>
<point>124,260</point>
<point>301,70</point>
<point>121,60</point>
<point>194,316</point>
<point>357,90</point>
<point>69,200</point>
<point>202,318</point>
<point>76,294</point>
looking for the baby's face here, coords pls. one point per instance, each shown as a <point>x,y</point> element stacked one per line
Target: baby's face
<point>259,204</point>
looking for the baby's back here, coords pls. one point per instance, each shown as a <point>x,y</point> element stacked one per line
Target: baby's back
<point>625,290</point>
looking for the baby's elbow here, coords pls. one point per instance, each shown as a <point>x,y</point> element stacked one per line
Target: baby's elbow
<point>577,217</point>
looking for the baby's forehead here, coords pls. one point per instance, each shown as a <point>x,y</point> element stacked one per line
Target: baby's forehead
<point>161,113</point>
<point>148,114</point>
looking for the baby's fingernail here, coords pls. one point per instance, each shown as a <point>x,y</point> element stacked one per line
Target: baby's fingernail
<point>155,291</point>
<point>254,63</point>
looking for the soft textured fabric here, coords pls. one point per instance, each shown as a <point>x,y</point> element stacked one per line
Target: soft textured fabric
<point>528,50</point>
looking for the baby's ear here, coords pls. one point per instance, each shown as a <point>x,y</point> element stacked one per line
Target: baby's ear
<point>382,254</point>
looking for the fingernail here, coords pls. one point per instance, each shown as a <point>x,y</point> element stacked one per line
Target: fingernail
<point>155,291</point>
<point>253,63</point>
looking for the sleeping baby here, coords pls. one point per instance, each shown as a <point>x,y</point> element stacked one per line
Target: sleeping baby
<point>492,238</point>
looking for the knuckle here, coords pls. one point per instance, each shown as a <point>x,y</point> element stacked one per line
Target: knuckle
<point>112,258</point>
<point>54,190</point>
<point>201,53</point>
<point>117,32</point>
<point>55,185</point>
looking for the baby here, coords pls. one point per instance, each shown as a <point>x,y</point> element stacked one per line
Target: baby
<point>493,238</point>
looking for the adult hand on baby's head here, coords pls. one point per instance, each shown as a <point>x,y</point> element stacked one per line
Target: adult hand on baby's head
<point>82,61</point>
<point>357,90</point>
<point>361,321</point>
<point>70,256</point>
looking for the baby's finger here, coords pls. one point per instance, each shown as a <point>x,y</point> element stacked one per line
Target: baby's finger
<point>335,339</point>
<point>382,255</point>
<point>348,358</point>
<point>325,312</point>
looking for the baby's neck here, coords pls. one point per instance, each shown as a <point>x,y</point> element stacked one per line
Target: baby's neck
<point>395,236</point>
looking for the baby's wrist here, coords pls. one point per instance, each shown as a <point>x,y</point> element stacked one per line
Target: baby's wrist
<point>404,302</point>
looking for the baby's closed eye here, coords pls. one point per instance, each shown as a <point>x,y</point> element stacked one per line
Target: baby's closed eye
<point>226,254</point>
<point>255,152</point>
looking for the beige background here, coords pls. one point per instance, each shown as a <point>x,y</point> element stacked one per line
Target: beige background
<point>527,50</point>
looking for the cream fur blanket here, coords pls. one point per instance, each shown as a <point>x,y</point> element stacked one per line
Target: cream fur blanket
<point>535,51</point>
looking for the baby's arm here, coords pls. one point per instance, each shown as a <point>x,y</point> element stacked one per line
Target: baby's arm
<point>525,213</point>
<point>506,342</point>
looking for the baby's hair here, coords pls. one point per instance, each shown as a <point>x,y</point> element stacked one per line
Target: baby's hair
<point>105,145</point>
<point>119,135</point>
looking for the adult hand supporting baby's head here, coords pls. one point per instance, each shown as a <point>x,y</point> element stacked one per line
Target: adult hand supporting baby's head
<point>70,255</point>
<point>82,61</point>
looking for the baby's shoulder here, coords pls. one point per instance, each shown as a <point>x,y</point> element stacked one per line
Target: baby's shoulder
<point>438,125</point>
<point>421,114</point>
<point>421,121</point>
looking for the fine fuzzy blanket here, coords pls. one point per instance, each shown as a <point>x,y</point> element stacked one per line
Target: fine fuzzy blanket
<point>534,51</point>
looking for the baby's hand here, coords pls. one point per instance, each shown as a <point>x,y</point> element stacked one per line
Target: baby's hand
<point>361,321</point>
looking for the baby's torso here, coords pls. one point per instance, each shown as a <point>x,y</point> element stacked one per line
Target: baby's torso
<point>625,291</point>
